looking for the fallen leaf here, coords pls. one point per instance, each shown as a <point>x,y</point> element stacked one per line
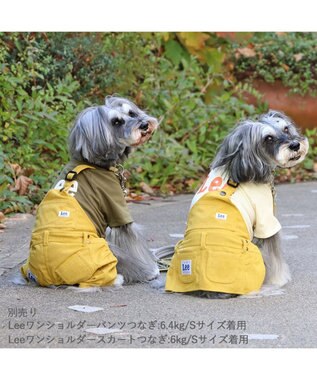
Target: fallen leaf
<point>245,52</point>
<point>146,188</point>
<point>22,184</point>
<point>118,305</point>
<point>13,208</point>
<point>16,168</point>
<point>2,217</point>
<point>298,57</point>
<point>27,171</point>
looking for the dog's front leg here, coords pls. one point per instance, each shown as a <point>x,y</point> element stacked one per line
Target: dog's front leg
<point>277,271</point>
<point>135,261</point>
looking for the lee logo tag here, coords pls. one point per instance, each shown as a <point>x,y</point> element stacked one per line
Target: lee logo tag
<point>220,216</point>
<point>186,267</point>
<point>64,214</point>
<point>31,276</point>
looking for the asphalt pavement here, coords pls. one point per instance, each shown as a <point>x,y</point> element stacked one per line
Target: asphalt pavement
<point>138,316</point>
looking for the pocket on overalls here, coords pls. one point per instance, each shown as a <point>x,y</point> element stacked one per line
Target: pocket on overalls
<point>77,267</point>
<point>32,270</point>
<point>222,266</point>
<point>186,262</point>
<point>254,268</point>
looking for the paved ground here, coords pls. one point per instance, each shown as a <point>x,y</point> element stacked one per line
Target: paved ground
<point>138,316</point>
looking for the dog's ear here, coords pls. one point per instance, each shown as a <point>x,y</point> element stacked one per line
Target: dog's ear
<point>241,157</point>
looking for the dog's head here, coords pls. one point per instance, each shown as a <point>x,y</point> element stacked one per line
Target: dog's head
<point>282,140</point>
<point>104,135</point>
<point>254,148</point>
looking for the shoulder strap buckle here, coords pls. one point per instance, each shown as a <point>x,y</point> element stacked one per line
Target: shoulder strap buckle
<point>231,183</point>
<point>71,175</point>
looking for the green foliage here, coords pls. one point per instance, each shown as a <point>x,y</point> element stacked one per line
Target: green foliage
<point>34,113</point>
<point>182,150</point>
<point>47,78</point>
<point>288,57</point>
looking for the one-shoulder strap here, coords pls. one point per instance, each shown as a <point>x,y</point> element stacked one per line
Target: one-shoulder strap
<point>72,174</point>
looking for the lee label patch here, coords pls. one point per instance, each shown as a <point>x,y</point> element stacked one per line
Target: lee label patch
<point>31,276</point>
<point>64,214</point>
<point>221,216</point>
<point>186,267</point>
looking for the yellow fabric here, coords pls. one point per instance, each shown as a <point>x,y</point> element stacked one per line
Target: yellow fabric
<point>216,253</point>
<point>65,247</point>
<point>253,200</point>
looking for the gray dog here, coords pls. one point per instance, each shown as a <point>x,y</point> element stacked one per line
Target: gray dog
<point>68,245</point>
<point>231,246</point>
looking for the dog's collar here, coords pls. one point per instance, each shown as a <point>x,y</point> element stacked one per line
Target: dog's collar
<point>118,170</point>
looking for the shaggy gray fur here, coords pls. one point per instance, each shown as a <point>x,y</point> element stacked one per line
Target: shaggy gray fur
<point>104,135</point>
<point>135,262</point>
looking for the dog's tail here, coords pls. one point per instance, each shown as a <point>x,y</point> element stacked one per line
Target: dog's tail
<point>163,256</point>
<point>265,291</point>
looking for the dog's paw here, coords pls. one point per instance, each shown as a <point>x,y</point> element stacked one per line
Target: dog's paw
<point>157,283</point>
<point>118,281</point>
<point>154,275</point>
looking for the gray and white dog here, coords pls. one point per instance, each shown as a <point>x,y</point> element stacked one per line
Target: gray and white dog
<point>249,154</point>
<point>104,136</point>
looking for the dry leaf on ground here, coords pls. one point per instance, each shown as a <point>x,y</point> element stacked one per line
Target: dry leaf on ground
<point>22,184</point>
<point>2,217</point>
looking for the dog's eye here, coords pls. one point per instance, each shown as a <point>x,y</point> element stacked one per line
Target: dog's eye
<point>132,114</point>
<point>116,122</point>
<point>286,130</point>
<point>269,138</point>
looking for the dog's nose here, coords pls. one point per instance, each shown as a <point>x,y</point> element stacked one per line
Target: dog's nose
<point>144,126</point>
<point>295,145</point>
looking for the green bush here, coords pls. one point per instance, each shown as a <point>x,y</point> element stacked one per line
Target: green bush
<point>47,78</point>
<point>34,114</point>
<point>288,57</point>
<point>182,150</point>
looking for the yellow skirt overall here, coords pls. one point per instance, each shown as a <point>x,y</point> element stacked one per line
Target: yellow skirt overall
<point>216,253</point>
<point>65,248</point>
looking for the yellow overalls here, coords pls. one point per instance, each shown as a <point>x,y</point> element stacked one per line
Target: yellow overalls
<point>216,253</point>
<point>65,248</point>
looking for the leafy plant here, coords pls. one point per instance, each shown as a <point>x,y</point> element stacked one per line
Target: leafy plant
<point>184,79</point>
<point>182,150</point>
<point>34,114</point>
<point>288,57</point>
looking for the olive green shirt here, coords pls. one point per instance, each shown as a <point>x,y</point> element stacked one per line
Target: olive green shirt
<point>100,196</point>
